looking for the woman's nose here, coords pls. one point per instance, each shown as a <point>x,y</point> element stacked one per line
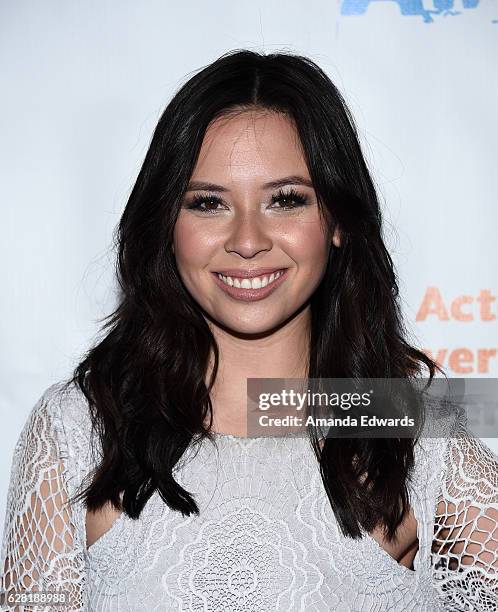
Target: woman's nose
<point>248,234</point>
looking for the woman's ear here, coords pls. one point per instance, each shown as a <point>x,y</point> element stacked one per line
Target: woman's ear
<point>336,238</point>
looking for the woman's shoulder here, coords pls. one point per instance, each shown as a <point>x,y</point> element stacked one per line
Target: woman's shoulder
<point>59,428</point>
<point>451,463</point>
<point>439,423</point>
<point>61,409</point>
<point>445,434</point>
<point>68,402</point>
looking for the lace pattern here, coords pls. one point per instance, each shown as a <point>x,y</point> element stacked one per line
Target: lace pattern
<point>42,549</point>
<point>266,538</point>
<point>465,546</point>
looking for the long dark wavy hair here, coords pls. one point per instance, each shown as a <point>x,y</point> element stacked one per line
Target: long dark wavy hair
<point>145,380</point>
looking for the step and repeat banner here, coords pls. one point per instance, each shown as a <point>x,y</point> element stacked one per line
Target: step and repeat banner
<point>83,85</point>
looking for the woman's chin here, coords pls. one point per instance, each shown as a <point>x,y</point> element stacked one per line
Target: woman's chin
<point>252,327</point>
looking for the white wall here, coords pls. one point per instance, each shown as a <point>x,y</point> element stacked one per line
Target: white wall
<point>83,84</point>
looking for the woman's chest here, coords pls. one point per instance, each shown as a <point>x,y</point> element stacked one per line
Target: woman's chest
<point>265,539</point>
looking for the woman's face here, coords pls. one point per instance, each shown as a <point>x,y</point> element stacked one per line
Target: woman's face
<point>241,224</point>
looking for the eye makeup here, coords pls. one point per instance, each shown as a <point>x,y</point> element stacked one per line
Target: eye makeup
<point>292,197</point>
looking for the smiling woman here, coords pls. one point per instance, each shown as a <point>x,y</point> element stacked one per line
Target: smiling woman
<point>250,247</point>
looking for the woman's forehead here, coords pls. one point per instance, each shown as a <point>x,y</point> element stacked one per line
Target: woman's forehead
<point>250,146</point>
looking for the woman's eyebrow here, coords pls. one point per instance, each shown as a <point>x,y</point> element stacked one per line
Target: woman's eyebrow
<point>287,180</point>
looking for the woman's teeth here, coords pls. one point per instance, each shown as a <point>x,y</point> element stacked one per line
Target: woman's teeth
<point>257,282</point>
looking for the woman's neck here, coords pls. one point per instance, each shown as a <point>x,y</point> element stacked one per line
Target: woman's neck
<point>281,354</point>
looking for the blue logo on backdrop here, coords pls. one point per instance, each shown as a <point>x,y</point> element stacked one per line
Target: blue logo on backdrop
<point>411,7</point>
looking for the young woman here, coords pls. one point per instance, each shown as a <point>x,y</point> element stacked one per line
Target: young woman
<point>250,247</point>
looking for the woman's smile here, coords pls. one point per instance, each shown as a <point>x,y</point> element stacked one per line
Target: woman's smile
<point>244,286</point>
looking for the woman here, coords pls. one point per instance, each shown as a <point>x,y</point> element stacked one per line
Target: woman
<point>254,172</point>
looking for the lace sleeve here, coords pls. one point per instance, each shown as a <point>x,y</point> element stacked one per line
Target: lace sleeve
<point>465,545</point>
<point>41,548</point>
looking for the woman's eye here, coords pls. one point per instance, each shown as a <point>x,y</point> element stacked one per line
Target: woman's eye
<point>207,204</point>
<point>292,199</point>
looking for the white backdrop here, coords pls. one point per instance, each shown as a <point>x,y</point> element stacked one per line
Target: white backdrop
<point>84,83</point>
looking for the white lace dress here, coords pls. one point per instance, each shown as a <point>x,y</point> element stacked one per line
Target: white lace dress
<point>266,538</point>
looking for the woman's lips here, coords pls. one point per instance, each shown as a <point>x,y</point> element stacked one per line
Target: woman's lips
<point>250,295</point>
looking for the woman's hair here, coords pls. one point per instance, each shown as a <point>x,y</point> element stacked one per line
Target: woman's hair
<point>145,380</point>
